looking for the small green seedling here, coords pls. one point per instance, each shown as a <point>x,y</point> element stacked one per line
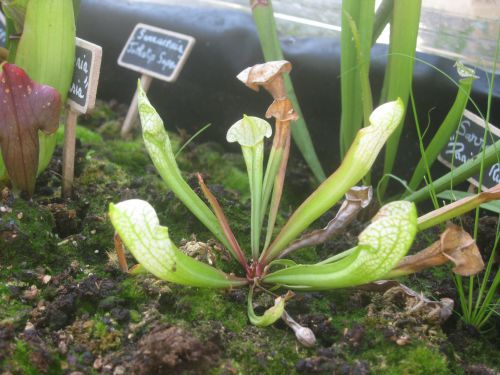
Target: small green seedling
<point>381,246</point>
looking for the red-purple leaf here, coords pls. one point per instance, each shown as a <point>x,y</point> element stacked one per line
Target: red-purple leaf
<point>25,108</point>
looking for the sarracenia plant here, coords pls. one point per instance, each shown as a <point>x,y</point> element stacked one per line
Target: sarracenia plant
<point>381,246</point>
<point>42,43</point>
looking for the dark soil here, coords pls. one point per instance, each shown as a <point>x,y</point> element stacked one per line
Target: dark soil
<point>66,308</point>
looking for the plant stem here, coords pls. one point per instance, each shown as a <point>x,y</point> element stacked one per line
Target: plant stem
<point>421,145</point>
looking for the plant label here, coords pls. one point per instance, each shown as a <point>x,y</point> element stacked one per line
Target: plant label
<point>467,143</point>
<point>81,98</point>
<point>3,31</point>
<point>156,52</point>
<point>83,89</point>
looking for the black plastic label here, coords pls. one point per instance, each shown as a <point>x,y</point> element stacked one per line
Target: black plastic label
<point>156,52</point>
<point>467,142</point>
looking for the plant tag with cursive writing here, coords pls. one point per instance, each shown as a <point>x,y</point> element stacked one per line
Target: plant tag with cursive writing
<point>3,31</point>
<point>467,143</point>
<point>156,52</point>
<point>83,89</point>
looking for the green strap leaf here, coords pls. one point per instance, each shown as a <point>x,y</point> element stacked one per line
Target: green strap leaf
<point>381,246</point>
<point>139,228</point>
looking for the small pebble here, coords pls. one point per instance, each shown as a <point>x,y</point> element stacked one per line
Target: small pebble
<point>119,370</point>
<point>97,363</point>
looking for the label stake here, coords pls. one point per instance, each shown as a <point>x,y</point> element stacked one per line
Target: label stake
<point>81,99</point>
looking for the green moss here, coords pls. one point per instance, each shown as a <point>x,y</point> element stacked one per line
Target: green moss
<point>100,183</point>
<point>135,316</point>
<point>100,337</point>
<point>21,362</point>
<point>265,351</point>
<point>11,309</point>
<point>21,359</point>
<point>480,349</point>
<point>222,168</point>
<point>306,255</point>
<point>415,359</point>
<point>102,112</point>
<point>130,155</point>
<point>132,292</point>
<point>195,304</point>
<point>27,234</point>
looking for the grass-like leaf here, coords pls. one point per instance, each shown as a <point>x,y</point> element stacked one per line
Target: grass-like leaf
<point>442,136</point>
<point>223,222</point>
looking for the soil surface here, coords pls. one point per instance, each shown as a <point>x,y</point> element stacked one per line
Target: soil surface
<point>66,308</point>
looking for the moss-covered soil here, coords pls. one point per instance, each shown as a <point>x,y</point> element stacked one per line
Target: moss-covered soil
<point>66,308</point>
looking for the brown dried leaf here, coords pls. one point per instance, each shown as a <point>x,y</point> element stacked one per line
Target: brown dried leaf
<point>25,108</point>
<point>282,110</point>
<point>120,253</point>
<point>458,208</point>
<point>415,303</point>
<point>265,75</point>
<point>357,198</point>
<point>455,245</point>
